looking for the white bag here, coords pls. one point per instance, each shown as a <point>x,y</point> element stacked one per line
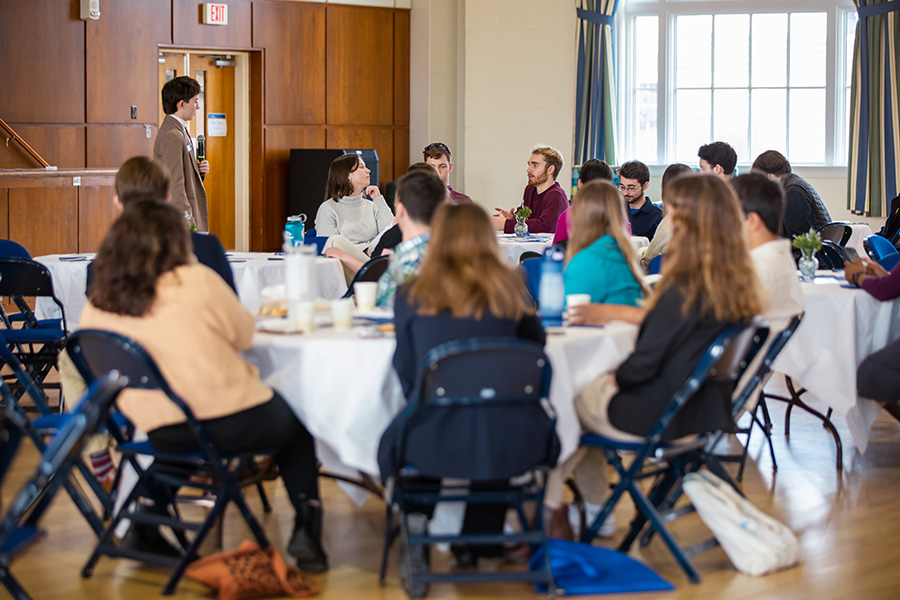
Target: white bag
<point>755,542</point>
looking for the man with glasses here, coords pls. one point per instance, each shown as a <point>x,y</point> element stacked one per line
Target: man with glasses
<point>543,195</point>
<point>644,216</point>
<point>437,154</point>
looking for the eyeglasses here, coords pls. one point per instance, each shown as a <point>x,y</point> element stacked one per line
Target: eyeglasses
<point>630,188</point>
<point>440,146</point>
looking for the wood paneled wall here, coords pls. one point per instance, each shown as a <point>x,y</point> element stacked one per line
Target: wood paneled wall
<point>321,76</point>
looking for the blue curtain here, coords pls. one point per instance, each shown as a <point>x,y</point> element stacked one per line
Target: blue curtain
<point>595,95</point>
<point>874,132</point>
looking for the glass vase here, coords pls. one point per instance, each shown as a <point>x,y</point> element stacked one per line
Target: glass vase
<point>521,227</point>
<point>808,264</point>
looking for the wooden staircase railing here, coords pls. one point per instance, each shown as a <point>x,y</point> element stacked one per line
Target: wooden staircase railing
<point>25,145</point>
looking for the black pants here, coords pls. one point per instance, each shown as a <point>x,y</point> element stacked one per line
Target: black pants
<point>878,377</point>
<point>269,427</point>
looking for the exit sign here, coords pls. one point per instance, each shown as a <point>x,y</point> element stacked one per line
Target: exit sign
<point>215,14</point>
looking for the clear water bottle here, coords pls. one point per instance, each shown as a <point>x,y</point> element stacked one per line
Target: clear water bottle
<point>293,230</point>
<point>552,291</point>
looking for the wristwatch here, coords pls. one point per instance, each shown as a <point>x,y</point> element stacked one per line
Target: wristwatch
<point>856,278</point>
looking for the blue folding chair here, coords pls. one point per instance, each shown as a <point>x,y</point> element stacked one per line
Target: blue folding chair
<point>882,251</point>
<point>18,529</point>
<point>37,342</point>
<point>371,271</point>
<point>655,265</point>
<point>838,232</point>
<point>310,237</point>
<point>831,255</point>
<point>479,412</point>
<point>46,426</point>
<point>95,352</point>
<point>724,360</point>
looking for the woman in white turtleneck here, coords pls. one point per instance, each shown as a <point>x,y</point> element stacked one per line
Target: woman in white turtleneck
<point>347,211</point>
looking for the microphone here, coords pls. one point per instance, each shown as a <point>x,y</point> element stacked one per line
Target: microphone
<point>201,152</point>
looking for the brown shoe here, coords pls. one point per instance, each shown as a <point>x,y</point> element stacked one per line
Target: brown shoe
<point>556,523</point>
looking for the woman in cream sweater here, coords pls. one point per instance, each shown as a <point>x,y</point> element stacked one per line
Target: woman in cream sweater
<point>148,286</point>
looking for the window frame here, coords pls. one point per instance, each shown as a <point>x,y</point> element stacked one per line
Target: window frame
<point>836,134</point>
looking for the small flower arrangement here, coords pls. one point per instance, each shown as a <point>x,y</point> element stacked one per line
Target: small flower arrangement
<point>191,224</point>
<point>522,213</point>
<point>808,243</point>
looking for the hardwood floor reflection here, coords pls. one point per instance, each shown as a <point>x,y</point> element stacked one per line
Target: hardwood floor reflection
<point>846,522</point>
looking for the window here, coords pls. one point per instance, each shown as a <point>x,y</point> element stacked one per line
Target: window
<point>755,74</point>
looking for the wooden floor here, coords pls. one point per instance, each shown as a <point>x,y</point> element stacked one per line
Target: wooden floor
<point>847,523</point>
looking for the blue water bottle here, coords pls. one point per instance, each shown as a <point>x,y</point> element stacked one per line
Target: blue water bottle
<point>552,291</point>
<point>294,230</point>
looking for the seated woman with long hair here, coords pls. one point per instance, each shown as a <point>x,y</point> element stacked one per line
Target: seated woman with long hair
<point>600,259</point>
<point>148,286</point>
<point>352,222</point>
<point>708,283</point>
<point>464,290</point>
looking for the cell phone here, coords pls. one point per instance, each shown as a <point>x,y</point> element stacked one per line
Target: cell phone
<point>850,254</point>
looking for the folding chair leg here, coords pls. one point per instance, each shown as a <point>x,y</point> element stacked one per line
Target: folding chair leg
<point>650,514</point>
<point>267,508</point>
<point>12,585</point>
<point>390,534</point>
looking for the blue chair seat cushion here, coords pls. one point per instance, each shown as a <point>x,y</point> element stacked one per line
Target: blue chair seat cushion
<point>34,336</point>
<point>600,441</point>
<point>42,323</point>
<point>53,423</point>
<point>21,537</point>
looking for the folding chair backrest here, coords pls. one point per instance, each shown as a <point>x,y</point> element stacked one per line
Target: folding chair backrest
<point>878,247</point>
<point>10,435</point>
<point>724,360</point>
<point>765,367</point>
<point>838,232</point>
<point>832,255</point>
<point>11,249</point>
<point>371,271</point>
<point>481,411</point>
<point>24,277</point>
<point>95,352</point>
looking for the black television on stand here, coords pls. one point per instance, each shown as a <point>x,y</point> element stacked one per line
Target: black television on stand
<point>309,174</point>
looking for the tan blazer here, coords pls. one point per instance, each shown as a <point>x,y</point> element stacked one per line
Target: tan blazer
<point>174,149</point>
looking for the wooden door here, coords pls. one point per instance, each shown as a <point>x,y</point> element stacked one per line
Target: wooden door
<point>171,65</point>
<point>215,120</point>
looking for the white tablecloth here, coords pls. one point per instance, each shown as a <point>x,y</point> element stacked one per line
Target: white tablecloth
<point>513,247</point>
<point>252,271</point>
<point>860,232</point>
<point>346,392</point>
<point>842,326</point>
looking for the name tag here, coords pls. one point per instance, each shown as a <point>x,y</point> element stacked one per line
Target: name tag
<point>190,147</point>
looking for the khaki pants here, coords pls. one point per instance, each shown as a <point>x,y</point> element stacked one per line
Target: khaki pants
<point>342,243</point>
<point>587,466</point>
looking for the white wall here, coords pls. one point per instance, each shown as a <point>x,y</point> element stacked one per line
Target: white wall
<point>519,89</point>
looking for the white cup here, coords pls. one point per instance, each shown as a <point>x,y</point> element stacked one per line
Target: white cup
<point>365,292</point>
<point>304,314</point>
<point>342,312</point>
<point>577,300</point>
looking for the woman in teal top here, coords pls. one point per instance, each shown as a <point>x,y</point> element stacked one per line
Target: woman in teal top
<point>601,260</point>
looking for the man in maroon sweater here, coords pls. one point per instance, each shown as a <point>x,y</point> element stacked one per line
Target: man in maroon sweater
<point>543,195</point>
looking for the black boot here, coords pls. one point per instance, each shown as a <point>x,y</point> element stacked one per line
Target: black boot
<point>306,541</point>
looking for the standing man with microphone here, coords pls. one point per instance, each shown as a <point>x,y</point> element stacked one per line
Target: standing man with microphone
<point>175,149</point>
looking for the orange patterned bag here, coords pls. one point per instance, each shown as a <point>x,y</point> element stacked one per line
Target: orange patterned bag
<point>252,572</point>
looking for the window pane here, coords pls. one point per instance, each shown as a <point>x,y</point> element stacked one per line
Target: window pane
<point>768,122</point>
<point>646,50</point>
<point>646,133</point>
<point>807,126</point>
<point>769,50</point>
<point>731,110</point>
<point>808,31</point>
<point>693,60</point>
<point>731,57</point>
<point>852,18</point>
<point>692,115</point>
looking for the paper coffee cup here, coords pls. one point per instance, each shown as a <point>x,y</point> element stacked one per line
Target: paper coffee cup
<point>342,312</point>
<point>577,300</point>
<point>365,293</point>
